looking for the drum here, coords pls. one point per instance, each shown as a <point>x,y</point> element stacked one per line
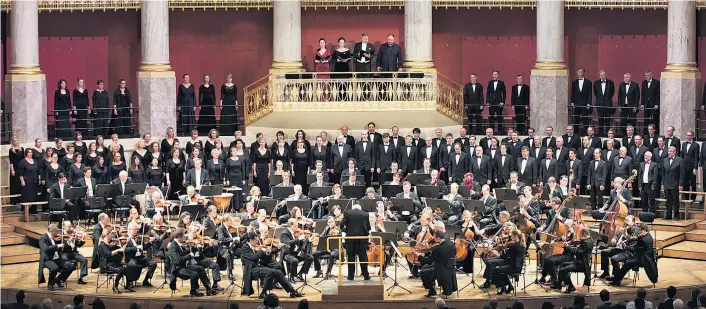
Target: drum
<point>222,201</point>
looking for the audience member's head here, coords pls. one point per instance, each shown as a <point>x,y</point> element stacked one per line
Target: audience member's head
<point>493,302</point>
<point>234,306</point>
<point>271,301</point>
<point>579,301</point>
<point>136,306</point>
<point>98,303</point>
<point>20,296</point>
<point>168,306</point>
<point>671,291</point>
<point>517,304</point>
<point>303,304</point>
<point>78,300</point>
<point>440,303</point>
<point>641,293</point>
<point>605,295</point>
<point>47,303</point>
<point>678,304</point>
<point>201,307</point>
<point>702,299</point>
<point>69,307</point>
<point>547,305</point>
<point>639,303</point>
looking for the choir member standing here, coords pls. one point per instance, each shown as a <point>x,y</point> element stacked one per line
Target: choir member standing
<point>62,107</point>
<point>207,103</point>
<point>261,167</point>
<point>322,60</point>
<point>81,107</point>
<point>229,106</point>
<point>628,100</point>
<point>186,104</point>
<point>343,58</point>
<point>581,92</point>
<point>101,110</point>
<point>15,157</point>
<point>122,109</point>
<point>28,173</point>
<point>390,56</point>
<point>603,90</point>
<point>650,98</point>
<point>473,102</point>
<point>520,103</point>
<point>495,97</point>
<point>363,53</point>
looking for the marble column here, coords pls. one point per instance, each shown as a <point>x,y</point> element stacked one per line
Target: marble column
<point>25,84</point>
<point>681,79</point>
<point>156,81</point>
<point>287,36</point>
<point>549,79</point>
<point>417,35</point>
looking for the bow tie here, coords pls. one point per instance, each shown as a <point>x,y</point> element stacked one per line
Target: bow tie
<point>602,82</point>
<point>581,78</point>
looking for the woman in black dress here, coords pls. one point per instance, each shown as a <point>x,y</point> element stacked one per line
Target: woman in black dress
<point>176,146</point>
<point>193,141</point>
<point>261,167</point>
<point>342,64</point>
<point>101,150</point>
<point>116,166</point>
<point>319,153</point>
<point>91,158</point>
<point>122,109</point>
<point>75,170</point>
<point>229,106</point>
<point>168,142</point>
<point>81,107</point>
<point>154,174</point>
<point>207,104</point>
<point>62,110</point>
<point>216,168</point>
<point>195,154</point>
<point>52,171</point>
<point>16,155</point>
<point>222,155</point>
<point>283,154</point>
<point>100,171</point>
<point>280,138</point>
<point>101,110</point>
<point>136,172</point>
<point>186,104</point>
<point>28,172</point>
<point>175,175</point>
<point>154,153</point>
<point>235,170</point>
<point>115,142</point>
<point>42,168</point>
<point>300,136</point>
<point>37,151</point>
<point>300,162</point>
<point>79,145</point>
<point>141,153</point>
<point>210,143</point>
<point>244,156</point>
<point>67,159</point>
<point>60,150</point>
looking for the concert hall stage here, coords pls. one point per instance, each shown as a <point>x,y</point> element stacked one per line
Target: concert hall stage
<point>683,266</point>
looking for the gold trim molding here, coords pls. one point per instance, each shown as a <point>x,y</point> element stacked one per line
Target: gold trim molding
<point>425,65</point>
<point>550,72</point>
<point>155,67</point>
<point>24,70</point>
<point>550,65</point>
<point>681,67</point>
<point>36,77</point>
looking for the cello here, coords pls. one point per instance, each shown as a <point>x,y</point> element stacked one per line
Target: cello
<point>617,212</point>
<point>462,242</point>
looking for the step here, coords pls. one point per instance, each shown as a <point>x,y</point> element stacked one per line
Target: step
<point>19,254</point>
<point>12,238</point>
<point>6,228</point>
<point>701,225</point>
<point>692,250</point>
<point>354,290</point>
<point>19,217</point>
<point>696,235</point>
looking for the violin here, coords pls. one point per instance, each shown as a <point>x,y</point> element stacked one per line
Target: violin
<point>302,232</point>
<point>334,231</point>
<point>238,229</point>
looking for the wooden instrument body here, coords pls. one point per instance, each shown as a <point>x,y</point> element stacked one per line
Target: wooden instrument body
<point>419,248</point>
<point>222,202</point>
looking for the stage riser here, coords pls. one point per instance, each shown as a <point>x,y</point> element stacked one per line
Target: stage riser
<point>19,254</point>
<point>9,239</point>
<point>357,291</point>
<point>695,237</point>
<point>6,228</point>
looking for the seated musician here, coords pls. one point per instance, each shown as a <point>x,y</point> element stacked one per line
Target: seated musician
<point>50,246</point>
<point>159,232</point>
<point>510,262</point>
<point>407,193</point>
<point>351,170</point>
<point>230,242</point>
<point>533,203</point>
<point>282,214</point>
<point>336,214</point>
<point>297,250</point>
<point>562,215</point>
<point>643,256</point>
<point>416,234</point>
<point>494,228</point>
<point>255,194</point>
<point>562,190</point>
<point>58,191</point>
<point>156,204</point>
<point>376,225</point>
<point>103,223</point>
<point>267,239</point>
<point>455,202</point>
<point>396,178</point>
<point>318,168</point>
<point>550,186</point>
<point>286,182</point>
<point>250,213</point>
<point>184,220</point>
<point>252,253</point>
<point>279,168</point>
<point>617,252</point>
<point>352,181</point>
<point>122,181</point>
<point>110,258</point>
<point>370,194</point>
<point>323,202</point>
<point>617,194</point>
<point>262,219</point>
<point>182,266</point>
<point>319,180</point>
<point>426,167</point>
<point>551,264</point>
<point>209,221</point>
<point>525,211</point>
<point>69,252</point>
<point>204,249</point>
<point>582,261</point>
<point>383,213</point>
<point>437,265</point>
<point>331,229</point>
<point>439,182</point>
<point>491,206</point>
<point>191,198</point>
<point>468,223</point>
<point>415,224</point>
<point>197,176</point>
<point>514,183</point>
<point>135,254</point>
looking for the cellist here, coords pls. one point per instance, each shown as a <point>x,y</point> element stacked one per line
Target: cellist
<point>468,226</point>
<point>617,253</point>
<point>417,234</point>
<point>376,225</point>
<point>551,264</point>
<point>561,215</point>
<point>618,194</point>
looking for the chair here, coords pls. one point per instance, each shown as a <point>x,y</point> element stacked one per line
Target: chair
<point>516,278</point>
<point>110,275</point>
<point>94,206</point>
<point>122,206</point>
<point>57,209</point>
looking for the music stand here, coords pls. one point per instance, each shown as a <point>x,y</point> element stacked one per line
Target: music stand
<point>396,227</point>
<point>391,238</point>
<point>537,248</point>
<point>356,192</point>
<point>213,190</point>
<point>427,191</point>
<point>311,178</point>
<point>317,192</point>
<point>545,195</point>
<point>341,203</point>
<point>107,191</point>
<point>275,179</point>
<point>385,177</point>
<point>280,193</point>
<point>324,245</point>
<point>402,204</point>
<point>304,206</point>
<point>246,222</point>
<point>75,193</point>
<point>418,178</point>
<point>320,225</point>
<point>369,205</point>
<point>390,191</point>
<point>435,204</point>
<point>135,188</point>
<point>474,205</point>
<point>510,204</point>
<point>503,194</point>
<point>463,191</point>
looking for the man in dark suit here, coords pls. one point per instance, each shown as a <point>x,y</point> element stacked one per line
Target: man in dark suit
<point>296,251</point>
<point>59,269</point>
<point>593,140</point>
<point>597,175</point>
<point>629,139</point>
<point>514,146</point>
<point>603,91</point>
<point>575,165</point>
<point>582,262</point>
<point>585,154</point>
<point>628,100</point>
<point>445,153</point>
<point>504,165</point>
<point>527,168</point>
<point>396,139</point>
<point>561,154</point>
<point>103,221</point>
<point>673,181</point>
<point>340,153</point>
<point>473,102</point>
<point>538,151</point>
<point>197,176</point>
<point>669,302</point>
<point>549,141</point>
<point>690,159</point>
<point>363,53</point>
<point>364,156</point>
<point>648,180</point>
<point>407,156</point>
<point>355,223</point>
<point>348,139</point>
<point>464,139</point>
<point>429,151</point>
<point>643,254</point>
<point>581,93</point>
<point>529,140</point>
<point>520,103</point>
<point>609,153</point>
<point>458,165</point>
<point>89,183</point>
<point>495,97</point>
<point>135,255</point>
<point>571,140</point>
<point>548,168</point>
<point>660,152</point>
<point>637,153</point>
<point>58,191</point>
<point>122,181</point>
<point>650,139</point>
<point>650,98</point>
<point>389,58</point>
<point>481,167</point>
<point>487,141</point>
<point>384,155</point>
<point>438,265</point>
<point>373,136</point>
<point>621,166</point>
<point>605,300</point>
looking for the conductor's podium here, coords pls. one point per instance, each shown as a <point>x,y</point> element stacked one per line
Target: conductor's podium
<point>355,290</point>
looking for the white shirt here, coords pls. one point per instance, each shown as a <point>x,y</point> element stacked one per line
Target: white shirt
<point>646,173</point>
<point>547,161</point>
<point>371,136</point>
<point>197,173</point>
<point>362,47</point>
<point>458,156</point>
<point>595,168</point>
<point>394,141</point>
<point>365,144</point>
<point>495,85</point>
<point>134,243</point>
<point>473,86</point>
<point>409,149</point>
<point>61,190</point>
<point>558,152</point>
<point>479,160</point>
<point>519,90</point>
<point>122,185</point>
<point>603,83</point>
<point>90,187</point>
<point>571,163</point>
<point>580,84</point>
<point>56,253</point>
<point>502,160</point>
<point>340,149</point>
<point>428,152</point>
<point>523,165</point>
<point>649,82</point>
<point>688,145</point>
<point>627,88</point>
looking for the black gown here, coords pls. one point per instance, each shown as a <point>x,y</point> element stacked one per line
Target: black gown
<point>30,173</point>
<point>123,121</point>
<point>151,156</point>
<point>74,173</point>
<point>100,173</point>
<point>82,148</point>
<point>186,102</point>
<point>115,169</point>
<point>176,178</point>
<point>137,176</point>
<point>319,155</point>
<point>216,171</point>
<point>207,114</point>
<point>62,119</point>
<point>90,161</point>
<point>261,167</point>
<point>301,167</point>
<point>154,177</point>
<point>166,148</point>
<point>15,157</point>
<point>235,171</point>
<point>101,113</point>
<point>81,105</point>
<point>284,156</point>
<point>343,66</point>
<point>143,159</point>
<point>229,113</point>
<point>51,175</point>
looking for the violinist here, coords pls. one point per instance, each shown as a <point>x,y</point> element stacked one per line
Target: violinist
<point>562,190</point>
<point>110,255</point>
<point>336,214</point>
<point>156,204</point>
<point>376,225</point>
<point>437,265</point>
<point>382,214</point>
<point>135,255</point>
<point>455,202</point>
<point>436,180</point>
<point>491,206</point>
<point>526,213</point>
<point>252,253</point>
<point>103,223</point>
<point>322,203</point>
<point>73,240</point>
<point>204,248</point>
<point>417,234</point>
<point>618,252</point>
<point>618,194</point>
<point>50,245</point>
<point>255,194</point>
<point>182,265</point>
<point>273,247</point>
<point>510,263</point>
<point>468,226</point>
<point>262,219</point>
<point>551,264</point>
<point>298,249</point>
<point>493,228</point>
<point>302,222</point>
<point>184,220</point>
<point>643,256</point>
<point>297,196</point>
<point>250,213</point>
<point>407,193</point>
<point>331,229</point>
<point>230,243</point>
<point>209,221</point>
<point>136,218</point>
<point>532,201</point>
<point>191,198</point>
<point>582,261</point>
<point>514,183</point>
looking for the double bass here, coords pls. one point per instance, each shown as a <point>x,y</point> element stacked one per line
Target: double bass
<point>555,231</point>
<point>617,212</point>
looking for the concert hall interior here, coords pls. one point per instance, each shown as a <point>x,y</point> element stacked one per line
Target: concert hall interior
<point>353,153</point>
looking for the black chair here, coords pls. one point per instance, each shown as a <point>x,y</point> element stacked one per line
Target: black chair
<point>122,206</point>
<point>57,209</point>
<point>94,206</point>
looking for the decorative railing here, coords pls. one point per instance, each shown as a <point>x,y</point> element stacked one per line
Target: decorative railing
<point>258,102</point>
<point>449,98</point>
<point>125,5</point>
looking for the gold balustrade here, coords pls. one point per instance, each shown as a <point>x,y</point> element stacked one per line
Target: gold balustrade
<point>449,100</point>
<point>257,99</point>
<point>125,5</point>
<point>339,242</point>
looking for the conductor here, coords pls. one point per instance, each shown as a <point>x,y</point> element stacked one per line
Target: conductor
<point>355,223</point>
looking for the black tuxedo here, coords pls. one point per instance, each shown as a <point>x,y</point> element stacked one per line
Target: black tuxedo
<point>673,177</point>
<point>548,170</point>
<point>339,160</point>
<point>433,156</point>
<point>399,139</point>
<point>659,155</point>
<point>483,172</point>
<point>549,142</point>
<point>496,94</point>
<point>362,63</point>
<point>365,159</point>
<point>384,158</point>
<point>486,143</point>
<point>594,142</point>
<point>444,159</point>
<point>530,176</point>
<point>622,170</point>
<point>355,223</point>
<point>616,144</point>
<point>673,141</point>
<point>503,168</point>
<point>581,97</point>
<point>389,58</point>
<point>649,189</point>
<point>650,99</point>
<point>690,160</point>
<point>604,102</point>
<point>561,157</point>
<point>578,168</point>
<point>629,101</point>
<point>609,158</point>
<point>191,177</point>
<point>650,141</point>
<point>538,153</point>
<point>407,160</point>
<point>520,102</point>
<point>49,257</point>
<point>458,169</point>
<point>597,176</point>
<point>516,149</point>
<point>585,160</point>
<point>572,143</point>
<point>473,103</point>
<point>375,138</point>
